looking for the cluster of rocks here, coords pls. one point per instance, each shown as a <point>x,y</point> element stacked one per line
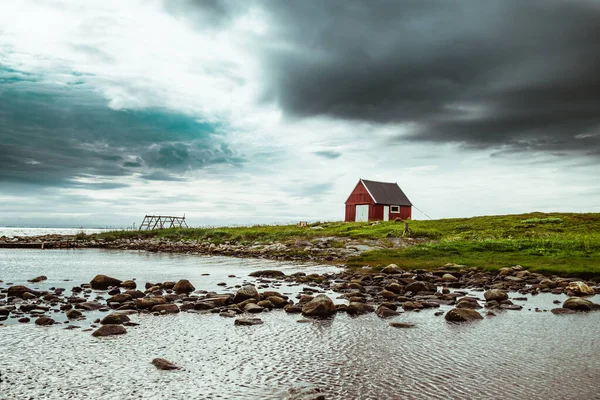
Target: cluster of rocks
<point>318,249</point>
<point>387,293</point>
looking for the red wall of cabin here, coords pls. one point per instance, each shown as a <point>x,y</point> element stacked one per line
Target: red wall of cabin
<point>405,212</point>
<point>376,212</point>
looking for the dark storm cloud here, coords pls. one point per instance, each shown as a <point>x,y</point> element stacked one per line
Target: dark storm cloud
<point>511,74</point>
<point>70,138</point>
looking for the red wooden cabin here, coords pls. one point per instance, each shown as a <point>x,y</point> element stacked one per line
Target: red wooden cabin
<point>377,201</point>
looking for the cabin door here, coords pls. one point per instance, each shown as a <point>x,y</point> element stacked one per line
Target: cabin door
<point>386,213</point>
<point>362,213</point>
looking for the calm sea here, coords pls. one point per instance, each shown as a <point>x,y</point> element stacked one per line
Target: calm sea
<point>515,355</point>
<point>12,231</point>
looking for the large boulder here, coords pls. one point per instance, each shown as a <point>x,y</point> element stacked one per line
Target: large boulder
<point>115,319</point>
<point>580,289</point>
<point>495,294</point>
<point>385,312</point>
<point>19,291</point>
<point>462,315</point>
<point>320,306</point>
<point>103,282</point>
<point>109,330</point>
<point>246,292</point>
<point>420,286</point>
<point>183,286</point>
<point>578,304</point>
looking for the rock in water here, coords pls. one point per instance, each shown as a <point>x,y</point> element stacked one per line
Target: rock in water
<point>103,282</point>
<point>267,273</point>
<point>129,284</point>
<point>462,315</point>
<point>356,308</point>
<point>109,330</point>
<point>73,314</point>
<point>44,321</point>
<point>420,286</point>
<point>166,308</point>
<point>115,319</point>
<point>578,304</point>
<point>580,289</point>
<point>19,291</point>
<point>495,294</point>
<point>183,286</point>
<point>392,269</point>
<point>248,321</point>
<point>401,325</point>
<point>38,279</point>
<point>320,306</point>
<point>163,364</point>
<point>149,302</point>
<point>246,292</point>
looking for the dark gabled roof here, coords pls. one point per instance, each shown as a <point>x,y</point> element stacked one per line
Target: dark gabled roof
<point>386,193</point>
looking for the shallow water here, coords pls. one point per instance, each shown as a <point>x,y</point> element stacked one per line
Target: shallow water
<point>515,355</point>
<point>11,232</point>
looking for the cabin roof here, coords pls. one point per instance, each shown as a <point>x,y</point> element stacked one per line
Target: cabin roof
<point>386,193</point>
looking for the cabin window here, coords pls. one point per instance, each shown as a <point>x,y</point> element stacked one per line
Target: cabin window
<point>395,209</point>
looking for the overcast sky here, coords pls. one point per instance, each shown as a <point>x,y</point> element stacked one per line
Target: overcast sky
<point>237,112</point>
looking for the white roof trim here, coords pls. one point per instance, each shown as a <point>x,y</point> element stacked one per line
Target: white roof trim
<point>368,191</point>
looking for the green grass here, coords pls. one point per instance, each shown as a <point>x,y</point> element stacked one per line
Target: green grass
<point>560,243</point>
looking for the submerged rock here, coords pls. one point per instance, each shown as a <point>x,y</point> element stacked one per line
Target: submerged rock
<point>74,314</point>
<point>38,279</point>
<point>401,325</point>
<point>267,273</point>
<point>248,321</point>
<point>164,365</point>
<point>462,315</point>
<point>320,306</point>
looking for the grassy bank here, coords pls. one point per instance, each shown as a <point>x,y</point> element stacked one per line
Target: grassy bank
<point>562,243</point>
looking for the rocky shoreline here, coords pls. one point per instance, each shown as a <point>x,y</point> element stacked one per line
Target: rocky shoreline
<point>387,293</point>
<point>322,249</point>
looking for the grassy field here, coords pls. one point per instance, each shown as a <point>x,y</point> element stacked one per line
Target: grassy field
<point>560,243</point>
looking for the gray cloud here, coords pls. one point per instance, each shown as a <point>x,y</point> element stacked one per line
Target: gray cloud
<point>329,154</point>
<point>507,74</point>
<point>68,137</point>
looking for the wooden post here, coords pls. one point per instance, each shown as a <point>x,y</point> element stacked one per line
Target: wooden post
<point>406,231</point>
